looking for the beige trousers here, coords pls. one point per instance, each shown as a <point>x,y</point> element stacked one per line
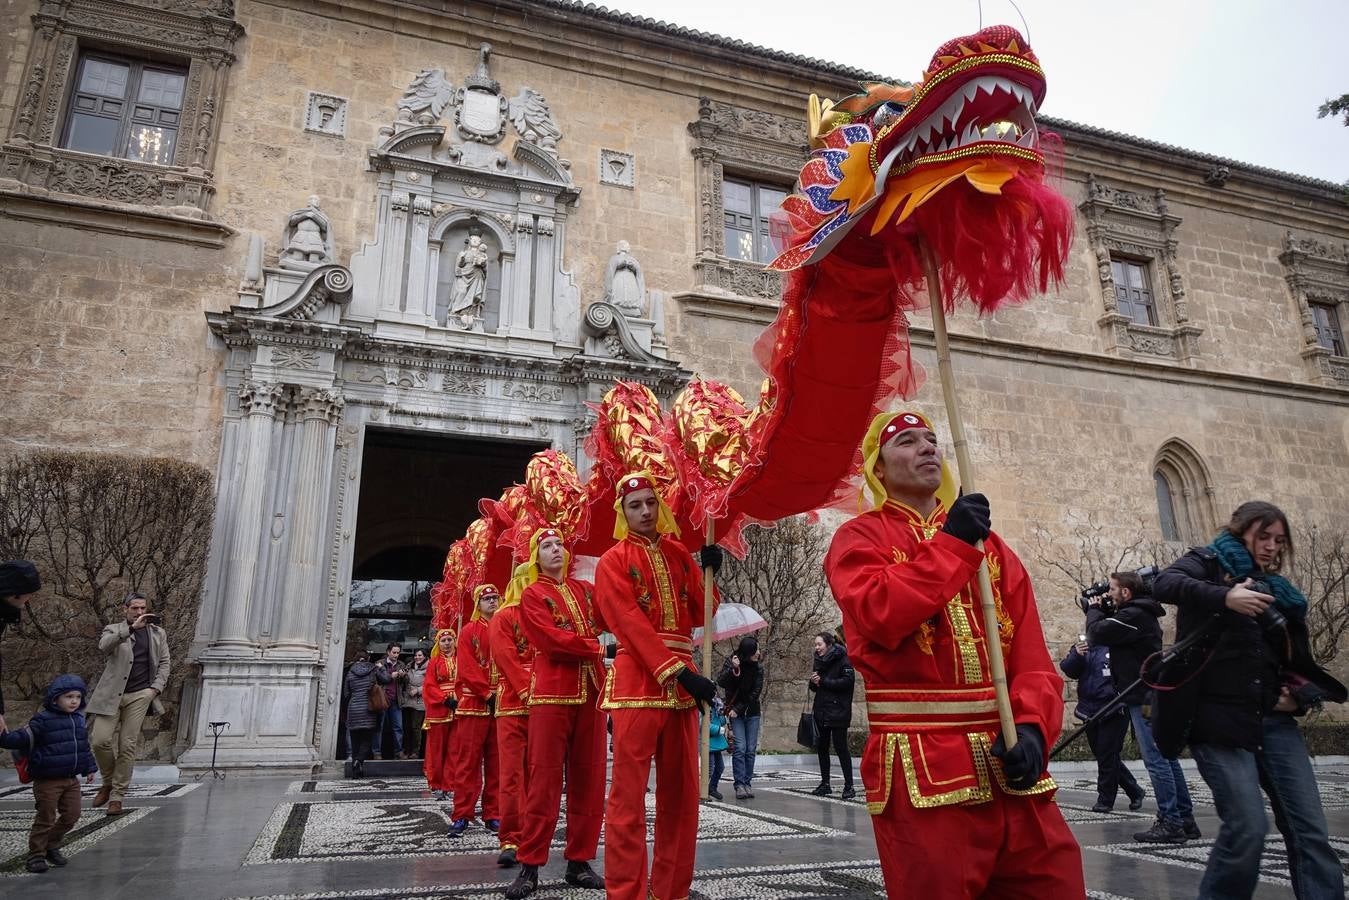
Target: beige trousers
<point>115,739</point>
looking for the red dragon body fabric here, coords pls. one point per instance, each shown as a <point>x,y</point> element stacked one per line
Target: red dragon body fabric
<point>955,162</point>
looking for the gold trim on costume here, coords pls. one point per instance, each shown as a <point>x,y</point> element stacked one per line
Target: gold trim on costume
<point>935,707</point>
<point>668,613</point>
<point>970,663</point>
<point>978,793</point>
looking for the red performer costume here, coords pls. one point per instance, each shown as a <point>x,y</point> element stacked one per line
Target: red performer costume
<point>649,593</point>
<point>566,726</point>
<point>512,658</point>
<point>474,748</point>
<point>954,814</point>
<point>438,692</point>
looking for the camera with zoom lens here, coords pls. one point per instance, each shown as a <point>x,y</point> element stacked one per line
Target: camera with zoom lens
<point>1147,574</point>
<point>1097,589</point>
<point>1270,619</point>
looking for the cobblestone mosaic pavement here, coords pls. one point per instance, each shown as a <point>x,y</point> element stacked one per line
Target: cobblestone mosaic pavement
<point>321,838</point>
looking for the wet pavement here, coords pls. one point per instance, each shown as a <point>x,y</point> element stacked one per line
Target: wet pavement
<point>325,837</point>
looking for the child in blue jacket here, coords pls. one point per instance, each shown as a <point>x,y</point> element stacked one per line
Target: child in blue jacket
<point>716,746</point>
<point>57,747</point>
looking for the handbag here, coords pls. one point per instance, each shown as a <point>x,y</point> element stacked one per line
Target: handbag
<point>807,733</point>
<point>379,701</point>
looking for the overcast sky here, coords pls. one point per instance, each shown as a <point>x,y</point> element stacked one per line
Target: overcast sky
<point>1236,78</point>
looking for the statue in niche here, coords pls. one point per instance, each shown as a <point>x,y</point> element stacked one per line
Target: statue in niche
<point>624,286</point>
<point>470,282</point>
<point>425,99</point>
<point>534,122</point>
<point>307,242</point>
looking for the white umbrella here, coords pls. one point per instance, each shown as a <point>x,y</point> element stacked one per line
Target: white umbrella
<point>732,619</point>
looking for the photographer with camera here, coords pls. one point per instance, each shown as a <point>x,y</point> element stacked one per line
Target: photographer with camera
<point>1090,666</point>
<point>1248,673</point>
<point>1128,621</point>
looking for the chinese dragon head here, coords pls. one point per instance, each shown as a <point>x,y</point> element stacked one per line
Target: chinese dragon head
<point>956,159</point>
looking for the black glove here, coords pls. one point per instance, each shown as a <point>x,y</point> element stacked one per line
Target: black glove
<point>699,688</point>
<point>712,558</point>
<point>969,519</point>
<point>610,651</point>
<point>492,704</point>
<point>452,703</point>
<point>1023,763</point>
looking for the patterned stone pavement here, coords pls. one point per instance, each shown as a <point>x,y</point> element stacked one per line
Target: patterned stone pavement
<point>322,838</point>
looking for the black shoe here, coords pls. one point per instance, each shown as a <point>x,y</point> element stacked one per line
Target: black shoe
<point>507,858</point>
<point>581,875</point>
<point>492,825</point>
<point>715,795</point>
<point>1162,833</point>
<point>848,793</point>
<point>526,883</point>
<point>36,864</point>
<point>57,858</point>
<point>1191,829</point>
<point>1102,807</point>
<point>1136,800</point>
<point>822,789</point>
<point>357,769</point>
<point>749,794</point>
<point>457,828</point>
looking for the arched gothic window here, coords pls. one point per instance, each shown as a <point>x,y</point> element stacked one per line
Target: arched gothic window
<point>1184,494</point>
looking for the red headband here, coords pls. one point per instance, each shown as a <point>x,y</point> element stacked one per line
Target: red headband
<point>544,534</point>
<point>902,422</point>
<point>633,483</point>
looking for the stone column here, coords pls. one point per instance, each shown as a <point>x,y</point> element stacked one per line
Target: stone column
<point>391,266</point>
<point>259,401</point>
<point>541,309</point>
<point>417,303</point>
<point>303,593</point>
<point>515,312</point>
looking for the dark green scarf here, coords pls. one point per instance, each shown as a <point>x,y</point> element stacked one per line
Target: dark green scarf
<point>1236,561</point>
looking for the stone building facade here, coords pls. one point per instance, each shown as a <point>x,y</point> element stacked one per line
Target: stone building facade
<point>278,239</point>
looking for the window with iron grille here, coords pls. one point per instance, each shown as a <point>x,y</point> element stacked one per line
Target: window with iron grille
<point>1133,291</point>
<point>125,107</point>
<point>747,206</point>
<point>1326,318</point>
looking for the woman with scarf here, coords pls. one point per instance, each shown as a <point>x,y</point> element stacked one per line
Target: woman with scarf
<point>438,695</point>
<point>1250,673</point>
<point>742,679</point>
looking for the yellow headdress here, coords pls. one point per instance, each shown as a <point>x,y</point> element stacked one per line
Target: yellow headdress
<point>435,645</point>
<point>477,595</point>
<point>527,572</point>
<point>636,481</point>
<point>884,427</point>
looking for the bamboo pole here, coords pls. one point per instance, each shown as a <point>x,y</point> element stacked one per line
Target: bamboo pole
<point>705,730</point>
<point>992,639</point>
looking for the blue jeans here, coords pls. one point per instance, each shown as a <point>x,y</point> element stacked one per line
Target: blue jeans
<point>1283,769</point>
<point>391,720</point>
<point>716,764</point>
<point>746,734</point>
<point>1168,781</point>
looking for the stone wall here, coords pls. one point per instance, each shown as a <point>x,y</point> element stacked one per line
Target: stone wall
<point>103,344</point>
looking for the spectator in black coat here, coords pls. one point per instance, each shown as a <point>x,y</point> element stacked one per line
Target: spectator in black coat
<point>1091,666</point>
<point>832,681</point>
<point>18,581</point>
<point>742,678</point>
<point>362,721</point>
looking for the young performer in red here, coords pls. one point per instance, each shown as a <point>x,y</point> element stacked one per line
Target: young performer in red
<point>955,814</point>
<point>474,748</point>
<point>566,726</point>
<point>649,592</point>
<point>438,692</point>
<point>512,657</point>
